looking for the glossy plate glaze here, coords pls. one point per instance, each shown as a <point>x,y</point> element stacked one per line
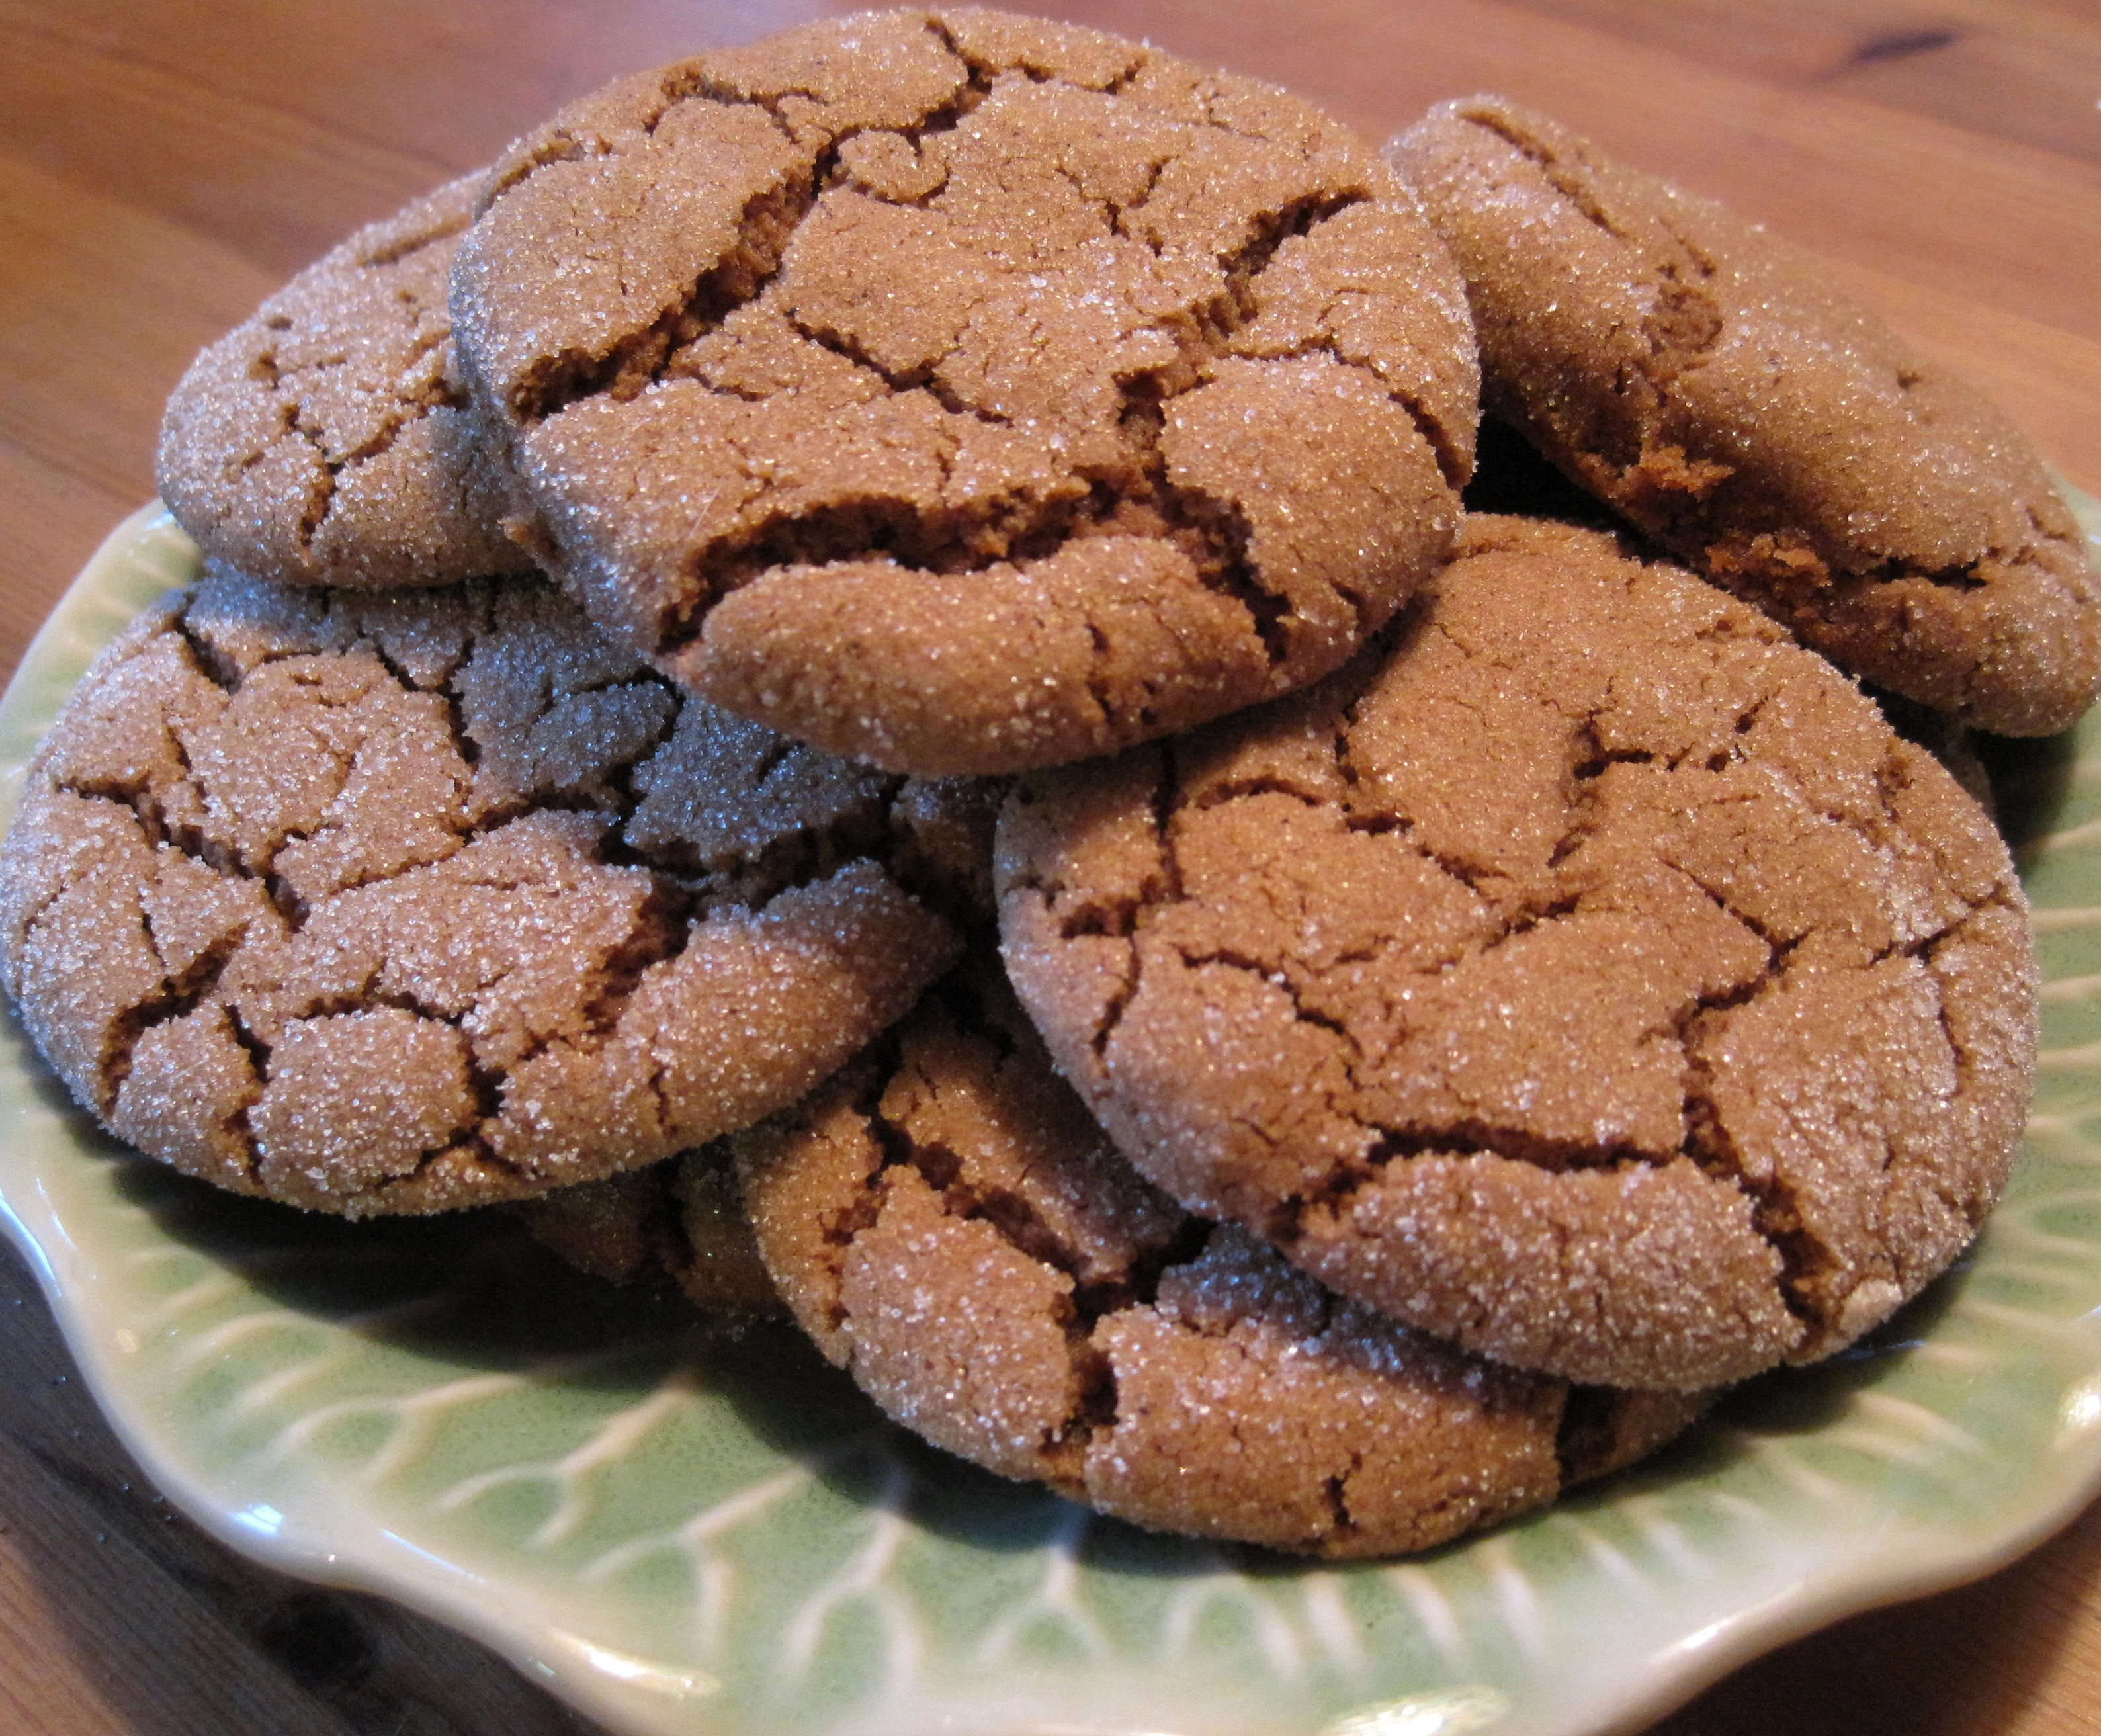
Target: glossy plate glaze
<point>684,1532</point>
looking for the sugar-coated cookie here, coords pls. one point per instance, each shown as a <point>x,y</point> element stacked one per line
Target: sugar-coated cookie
<point>948,1224</point>
<point>326,441</point>
<point>1721,391</point>
<point>1587,974</point>
<point>395,901</point>
<point>684,1218</point>
<point>964,392</point>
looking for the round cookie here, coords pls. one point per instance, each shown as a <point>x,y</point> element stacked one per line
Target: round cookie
<point>325,440</point>
<point>1589,975</point>
<point>964,392</point>
<point>1718,388</point>
<point>397,901</point>
<point>684,1218</point>
<point>949,1225</point>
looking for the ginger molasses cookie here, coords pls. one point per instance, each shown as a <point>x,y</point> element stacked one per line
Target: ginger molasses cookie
<point>684,1218</point>
<point>1952,743</point>
<point>1718,388</point>
<point>948,1223</point>
<point>1587,974</point>
<point>325,442</point>
<point>964,392</point>
<point>395,901</point>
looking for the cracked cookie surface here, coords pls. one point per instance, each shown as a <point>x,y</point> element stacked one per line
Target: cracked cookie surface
<point>1587,974</point>
<point>325,440</point>
<point>949,1223</point>
<point>964,392</point>
<point>1721,391</point>
<point>395,901</point>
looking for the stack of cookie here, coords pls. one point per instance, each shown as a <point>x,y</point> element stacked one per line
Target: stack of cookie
<point>896,600</point>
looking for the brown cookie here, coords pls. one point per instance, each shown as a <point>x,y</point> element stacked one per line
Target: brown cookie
<point>325,442</point>
<point>684,1219</point>
<point>964,392</point>
<point>1954,745</point>
<point>1589,976</point>
<point>1718,388</point>
<point>395,901</point>
<point>951,1227</point>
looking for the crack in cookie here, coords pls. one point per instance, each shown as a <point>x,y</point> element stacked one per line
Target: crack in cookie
<point>964,393</point>
<point>402,900</point>
<point>951,1227</point>
<point>1585,973</point>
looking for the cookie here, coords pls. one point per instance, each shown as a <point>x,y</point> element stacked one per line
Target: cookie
<point>683,1219</point>
<point>1718,388</point>
<point>395,901</point>
<point>963,392</point>
<point>1589,976</point>
<point>1955,746</point>
<point>325,442</point>
<point>949,1225</point>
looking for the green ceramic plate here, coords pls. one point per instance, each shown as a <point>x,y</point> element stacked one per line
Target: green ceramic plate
<point>681,1533</point>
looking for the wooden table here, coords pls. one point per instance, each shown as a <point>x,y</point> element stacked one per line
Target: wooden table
<point>164,163</point>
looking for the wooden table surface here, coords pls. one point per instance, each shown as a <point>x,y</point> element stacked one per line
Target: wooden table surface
<point>165,163</point>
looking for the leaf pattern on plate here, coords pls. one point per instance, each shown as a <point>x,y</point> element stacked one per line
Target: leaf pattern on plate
<point>683,1530</point>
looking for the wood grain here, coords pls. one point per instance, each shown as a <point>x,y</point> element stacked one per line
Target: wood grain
<point>163,163</point>
<point>2024,73</point>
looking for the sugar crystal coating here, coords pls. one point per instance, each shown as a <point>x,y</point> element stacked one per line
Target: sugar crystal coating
<point>325,441</point>
<point>399,901</point>
<point>1721,391</point>
<point>1587,975</point>
<point>950,1225</point>
<point>962,392</point>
